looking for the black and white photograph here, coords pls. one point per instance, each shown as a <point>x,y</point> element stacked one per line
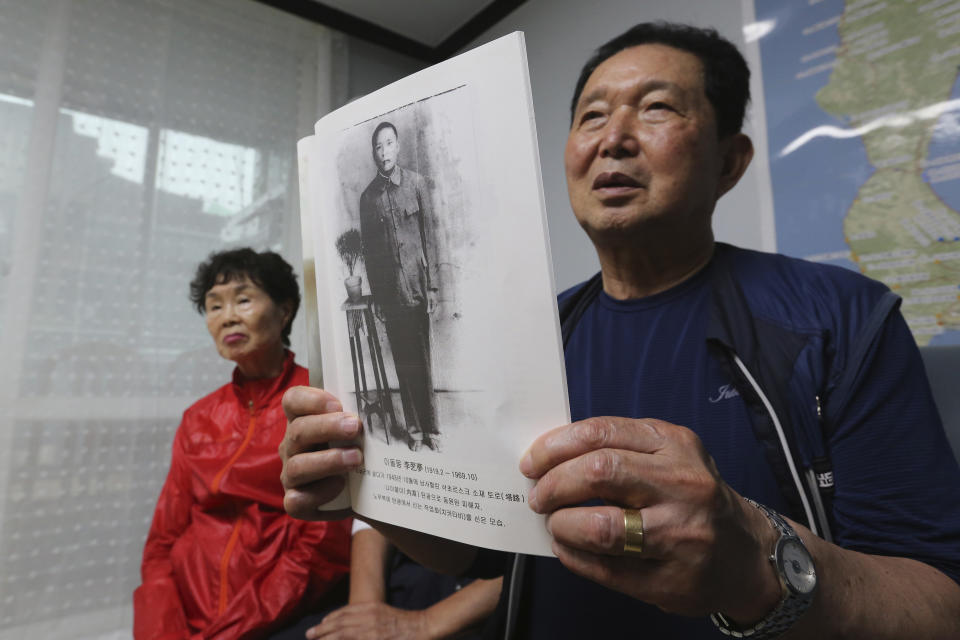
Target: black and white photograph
<point>401,188</point>
<point>424,210</point>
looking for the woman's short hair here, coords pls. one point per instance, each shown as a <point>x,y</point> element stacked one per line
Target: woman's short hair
<point>265,269</point>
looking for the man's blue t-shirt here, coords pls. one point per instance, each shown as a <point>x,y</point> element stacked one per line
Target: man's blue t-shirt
<point>646,358</point>
<point>898,486</point>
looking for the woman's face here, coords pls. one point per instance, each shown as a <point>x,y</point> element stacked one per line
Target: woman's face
<point>245,323</point>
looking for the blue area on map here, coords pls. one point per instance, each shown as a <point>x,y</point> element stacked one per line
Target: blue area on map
<point>945,142</point>
<point>809,219</point>
<point>945,338</point>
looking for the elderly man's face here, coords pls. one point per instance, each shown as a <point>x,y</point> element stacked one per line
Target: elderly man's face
<point>643,150</point>
<point>385,150</point>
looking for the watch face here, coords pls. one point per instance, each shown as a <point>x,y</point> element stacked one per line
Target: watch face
<point>796,565</point>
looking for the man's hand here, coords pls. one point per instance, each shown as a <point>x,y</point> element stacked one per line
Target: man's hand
<point>314,474</point>
<point>704,548</point>
<point>373,621</point>
<point>433,300</point>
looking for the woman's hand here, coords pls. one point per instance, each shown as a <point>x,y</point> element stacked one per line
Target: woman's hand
<point>313,472</point>
<point>372,621</point>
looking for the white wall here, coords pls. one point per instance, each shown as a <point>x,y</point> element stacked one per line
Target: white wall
<point>560,36</point>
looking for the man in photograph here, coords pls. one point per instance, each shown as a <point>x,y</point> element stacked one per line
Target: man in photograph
<point>393,223</point>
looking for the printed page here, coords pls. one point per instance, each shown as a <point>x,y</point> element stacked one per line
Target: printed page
<point>310,285</point>
<point>436,306</point>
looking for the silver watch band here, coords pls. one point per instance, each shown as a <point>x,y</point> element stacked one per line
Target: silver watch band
<point>791,605</point>
<point>777,621</point>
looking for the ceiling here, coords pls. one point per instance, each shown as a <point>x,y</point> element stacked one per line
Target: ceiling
<point>431,30</point>
<point>427,21</point>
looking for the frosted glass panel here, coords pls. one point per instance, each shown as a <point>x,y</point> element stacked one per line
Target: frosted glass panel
<point>76,489</point>
<point>135,139</point>
<point>19,27</point>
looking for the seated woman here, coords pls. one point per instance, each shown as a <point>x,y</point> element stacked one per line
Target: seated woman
<point>222,558</point>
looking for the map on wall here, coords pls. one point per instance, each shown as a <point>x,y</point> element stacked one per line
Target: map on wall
<point>863,116</point>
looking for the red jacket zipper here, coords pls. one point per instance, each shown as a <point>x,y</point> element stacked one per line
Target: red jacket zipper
<point>215,487</point>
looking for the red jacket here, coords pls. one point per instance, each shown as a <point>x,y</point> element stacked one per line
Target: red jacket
<point>223,559</point>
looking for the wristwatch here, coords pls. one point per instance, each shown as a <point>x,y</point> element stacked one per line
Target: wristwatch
<point>798,580</point>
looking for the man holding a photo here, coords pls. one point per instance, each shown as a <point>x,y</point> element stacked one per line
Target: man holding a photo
<point>730,407</point>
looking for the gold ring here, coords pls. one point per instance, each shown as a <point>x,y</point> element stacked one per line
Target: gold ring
<point>633,532</point>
